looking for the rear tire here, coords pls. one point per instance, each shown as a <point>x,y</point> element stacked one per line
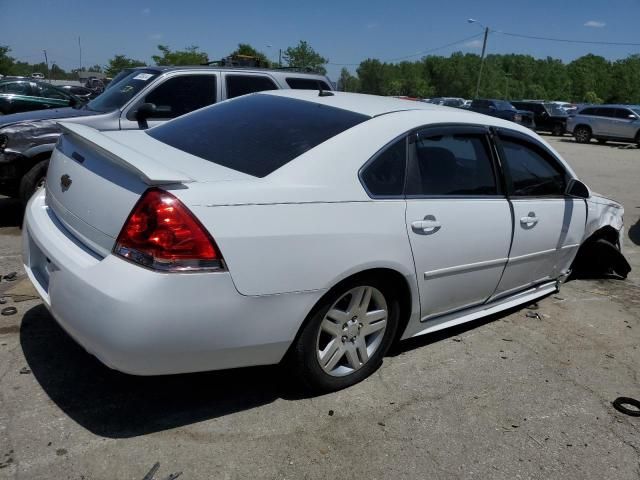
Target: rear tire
<point>33,180</point>
<point>637,140</point>
<point>558,130</point>
<point>341,342</point>
<point>582,134</point>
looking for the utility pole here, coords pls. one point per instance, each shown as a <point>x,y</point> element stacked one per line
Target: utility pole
<point>80,48</point>
<point>484,48</point>
<point>279,57</point>
<point>46,61</point>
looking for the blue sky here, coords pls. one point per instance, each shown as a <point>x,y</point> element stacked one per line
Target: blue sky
<point>343,31</point>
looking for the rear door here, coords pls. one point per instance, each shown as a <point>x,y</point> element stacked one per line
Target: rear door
<point>548,225</point>
<point>174,96</point>
<point>458,220</point>
<point>239,83</point>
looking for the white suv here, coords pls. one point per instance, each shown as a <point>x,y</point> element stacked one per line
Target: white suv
<point>606,122</point>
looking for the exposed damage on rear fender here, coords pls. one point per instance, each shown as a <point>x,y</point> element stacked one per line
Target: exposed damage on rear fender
<point>601,252</point>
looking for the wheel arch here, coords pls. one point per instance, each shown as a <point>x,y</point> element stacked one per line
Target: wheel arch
<point>401,283</point>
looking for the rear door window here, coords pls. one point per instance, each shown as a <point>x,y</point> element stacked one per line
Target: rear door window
<point>238,85</point>
<point>307,84</point>
<point>256,134</point>
<point>182,94</point>
<point>451,164</point>
<point>532,170</point>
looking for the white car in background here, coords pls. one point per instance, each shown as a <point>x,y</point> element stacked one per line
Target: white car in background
<point>311,227</point>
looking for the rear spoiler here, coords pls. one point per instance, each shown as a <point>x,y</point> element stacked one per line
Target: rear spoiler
<point>150,171</point>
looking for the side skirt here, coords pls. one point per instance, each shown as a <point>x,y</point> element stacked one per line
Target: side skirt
<point>457,318</point>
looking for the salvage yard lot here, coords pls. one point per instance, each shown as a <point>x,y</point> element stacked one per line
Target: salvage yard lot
<point>515,396</point>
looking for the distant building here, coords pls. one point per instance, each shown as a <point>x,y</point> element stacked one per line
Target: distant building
<point>84,76</point>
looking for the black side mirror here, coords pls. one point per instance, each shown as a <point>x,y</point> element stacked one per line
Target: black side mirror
<point>145,111</point>
<point>73,101</point>
<point>575,188</point>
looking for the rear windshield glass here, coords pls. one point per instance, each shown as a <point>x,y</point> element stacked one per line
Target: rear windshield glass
<point>255,134</point>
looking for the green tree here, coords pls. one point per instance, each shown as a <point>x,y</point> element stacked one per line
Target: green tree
<point>119,63</point>
<point>95,68</point>
<point>590,74</point>
<point>304,56</point>
<point>188,56</point>
<point>347,82</point>
<point>6,62</point>
<point>374,77</point>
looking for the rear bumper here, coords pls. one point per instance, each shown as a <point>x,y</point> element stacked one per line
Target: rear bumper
<point>147,323</point>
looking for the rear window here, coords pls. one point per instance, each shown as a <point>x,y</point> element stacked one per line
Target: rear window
<point>256,134</point>
<point>307,84</point>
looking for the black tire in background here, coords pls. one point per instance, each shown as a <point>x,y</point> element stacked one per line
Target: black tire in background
<point>32,180</point>
<point>558,130</point>
<point>302,358</point>
<point>582,134</point>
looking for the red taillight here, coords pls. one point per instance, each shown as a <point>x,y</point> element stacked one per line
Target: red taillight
<point>161,233</point>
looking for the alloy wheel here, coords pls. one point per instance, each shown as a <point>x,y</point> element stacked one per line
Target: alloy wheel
<point>351,331</point>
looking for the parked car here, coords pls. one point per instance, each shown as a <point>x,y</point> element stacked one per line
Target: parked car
<point>503,109</point>
<point>448,101</point>
<point>83,93</point>
<point>547,116</point>
<point>315,229</point>
<point>26,95</point>
<point>620,123</point>
<point>37,75</point>
<point>139,98</point>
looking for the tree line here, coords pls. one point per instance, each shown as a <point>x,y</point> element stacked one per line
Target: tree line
<point>589,79</point>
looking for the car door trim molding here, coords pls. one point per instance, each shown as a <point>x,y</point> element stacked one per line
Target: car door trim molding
<point>469,267</point>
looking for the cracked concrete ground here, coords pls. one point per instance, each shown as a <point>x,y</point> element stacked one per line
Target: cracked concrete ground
<point>503,398</point>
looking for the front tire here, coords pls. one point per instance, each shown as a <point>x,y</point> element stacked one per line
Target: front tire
<point>347,335</point>
<point>582,134</point>
<point>558,130</point>
<point>33,180</point>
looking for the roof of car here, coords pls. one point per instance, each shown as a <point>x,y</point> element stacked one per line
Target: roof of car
<point>277,71</point>
<point>370,105</point>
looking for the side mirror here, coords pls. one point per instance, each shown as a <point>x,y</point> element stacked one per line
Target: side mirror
<point>492,108</point>
<point>73,101</point>
<point>145,111</point>
<point>575,188</point>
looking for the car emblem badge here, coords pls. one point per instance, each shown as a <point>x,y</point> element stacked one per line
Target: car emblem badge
<point>65,182</point>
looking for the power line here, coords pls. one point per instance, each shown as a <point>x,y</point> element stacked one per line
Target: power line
<point>566,40</point>
<point>417,54</point>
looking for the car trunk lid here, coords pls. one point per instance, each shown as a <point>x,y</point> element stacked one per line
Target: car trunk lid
<point>95,179</point>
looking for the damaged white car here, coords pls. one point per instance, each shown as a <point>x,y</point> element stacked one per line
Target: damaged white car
<point>307,227</point>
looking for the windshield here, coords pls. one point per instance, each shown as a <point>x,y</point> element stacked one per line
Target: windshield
<point>502,105</point>
<point>636,110</point>
<point>120,93</point>
<point>553,109</point>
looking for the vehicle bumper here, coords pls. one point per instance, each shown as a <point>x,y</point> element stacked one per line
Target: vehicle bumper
<point>147,323</point>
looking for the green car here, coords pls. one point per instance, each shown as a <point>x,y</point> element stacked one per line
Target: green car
<point>23,95</point>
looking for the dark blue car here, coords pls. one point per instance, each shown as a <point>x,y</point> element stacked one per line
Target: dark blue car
<point>503,109</point>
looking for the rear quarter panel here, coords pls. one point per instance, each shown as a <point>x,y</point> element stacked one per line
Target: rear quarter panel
<point>282,248</point>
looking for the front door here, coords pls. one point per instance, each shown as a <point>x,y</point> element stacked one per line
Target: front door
<point>175,96</point>
<point>458,221</point>
<point>548,225</point>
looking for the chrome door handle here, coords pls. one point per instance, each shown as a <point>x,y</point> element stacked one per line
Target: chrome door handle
<point>427,226</point>
<point>530,219</point>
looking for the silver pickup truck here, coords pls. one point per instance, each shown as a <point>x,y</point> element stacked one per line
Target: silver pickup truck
<point>137,98</point>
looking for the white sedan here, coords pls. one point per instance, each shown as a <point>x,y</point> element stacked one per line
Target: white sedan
<point>315,228</point>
